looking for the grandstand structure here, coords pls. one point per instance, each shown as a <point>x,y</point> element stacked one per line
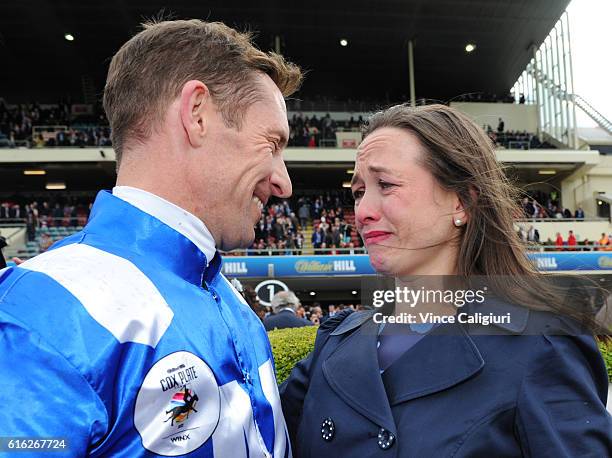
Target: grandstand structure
<point>519,72</point>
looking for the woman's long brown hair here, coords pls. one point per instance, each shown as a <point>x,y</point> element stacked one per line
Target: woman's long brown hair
<point>461,157</point>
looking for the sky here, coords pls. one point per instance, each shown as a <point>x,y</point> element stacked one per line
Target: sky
<point>591,41</point>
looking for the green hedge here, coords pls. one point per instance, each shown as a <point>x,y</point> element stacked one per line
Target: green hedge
<point>605,345</point>
<point>291,345</point>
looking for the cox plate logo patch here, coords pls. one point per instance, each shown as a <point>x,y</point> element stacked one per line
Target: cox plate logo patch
<point>178,405</point>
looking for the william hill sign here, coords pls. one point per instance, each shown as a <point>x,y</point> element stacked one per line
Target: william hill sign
<point>341,265</point>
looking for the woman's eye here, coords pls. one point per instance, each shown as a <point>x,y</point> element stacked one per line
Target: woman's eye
<point>358,194</point>
<point>385,185</point>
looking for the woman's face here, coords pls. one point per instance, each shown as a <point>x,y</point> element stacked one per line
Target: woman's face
<point>403,215</point>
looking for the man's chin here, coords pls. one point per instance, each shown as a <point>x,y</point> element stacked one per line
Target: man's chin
<point>240,243</point>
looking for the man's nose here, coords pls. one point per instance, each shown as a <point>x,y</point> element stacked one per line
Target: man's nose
<point>280,181</point>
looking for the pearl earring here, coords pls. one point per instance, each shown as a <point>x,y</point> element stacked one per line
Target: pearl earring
<point>458,222</point>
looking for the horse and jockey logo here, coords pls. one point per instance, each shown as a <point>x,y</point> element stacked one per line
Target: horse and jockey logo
<point>182,403</point>
<point>178,405</point>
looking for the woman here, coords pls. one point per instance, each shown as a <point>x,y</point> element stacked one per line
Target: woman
<point>432,203</point>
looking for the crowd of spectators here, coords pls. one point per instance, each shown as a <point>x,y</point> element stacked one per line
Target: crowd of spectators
<point>40,215</point>
<point>16,122</point>
<point>333,233</point>
<point>314,132</point>
<point>513,139</point>
<point>547,206</point>
<point>366,104</point>
<point>573,243</point>
<point>487,97</point>
<point>317,313</point>
<point>541,205</point>
<point>278,231</point>
<point>57,126</point>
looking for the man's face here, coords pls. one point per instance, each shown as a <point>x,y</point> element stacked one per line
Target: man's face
<point>248,168</point>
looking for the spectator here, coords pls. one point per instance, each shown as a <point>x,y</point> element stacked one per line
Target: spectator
<point>304,214</point>
<point>603,241</point>
<point>528,208</point>
<point>579,213</point>
<point>285,305</point>
<point>294,221</point>
<point>567,213</point>
<point>571,240</point>
<point>45,242</point>
<point>4,210</point>
<point>559,241</point>
<point>533,235</point>
<point>316,314</point>
<point>500,126</point>
<point>250,296</point>
<point>317,237</point>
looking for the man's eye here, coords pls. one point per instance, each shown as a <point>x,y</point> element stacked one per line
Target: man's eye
<point>384,184</point>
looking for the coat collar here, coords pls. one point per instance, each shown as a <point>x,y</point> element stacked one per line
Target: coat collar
<point>437,362</point>
<point>352,372</point>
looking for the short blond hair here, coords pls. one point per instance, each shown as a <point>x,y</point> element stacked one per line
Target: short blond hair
<point>150,69</point>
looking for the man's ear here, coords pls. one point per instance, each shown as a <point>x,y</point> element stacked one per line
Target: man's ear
<point>195,98</point>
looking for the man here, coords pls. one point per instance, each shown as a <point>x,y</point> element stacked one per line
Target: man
<point>304,212</point>
<point>533,235</point>
<point>316,314</point>
<point>125,338</point>
<point>501,126</point>
<point>285,305</point>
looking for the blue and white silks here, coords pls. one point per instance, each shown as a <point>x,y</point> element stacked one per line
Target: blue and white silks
<point>109,340</point>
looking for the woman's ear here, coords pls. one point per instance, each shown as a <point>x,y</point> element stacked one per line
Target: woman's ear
<point>459,215</point>
<point>195,97</point>
<point>461,212</point>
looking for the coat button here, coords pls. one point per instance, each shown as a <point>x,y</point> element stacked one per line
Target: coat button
<point>385,439</point>
<point>328,429</point>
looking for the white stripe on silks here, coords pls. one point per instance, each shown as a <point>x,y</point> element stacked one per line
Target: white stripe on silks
<point>270,389</point>
<point>112,289</point>
<point>236,415</point>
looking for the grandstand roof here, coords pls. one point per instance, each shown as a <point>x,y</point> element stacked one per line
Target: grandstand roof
<point>39,63</point>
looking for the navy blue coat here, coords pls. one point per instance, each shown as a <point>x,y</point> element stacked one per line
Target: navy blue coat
<point>454,394</point>
<point>285,319</point>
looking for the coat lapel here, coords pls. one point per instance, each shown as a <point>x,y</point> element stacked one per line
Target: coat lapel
<point>437,362</point>
<point>352,372</point>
